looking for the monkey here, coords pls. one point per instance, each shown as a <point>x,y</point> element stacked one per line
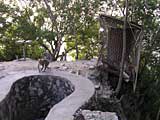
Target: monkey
<point>131,71</point>
<point>42,65</point>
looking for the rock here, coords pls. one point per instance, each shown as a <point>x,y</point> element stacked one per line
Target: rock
<point>72,71</point>
<point>97,86</point>
<point>93,60</point>
<point>79,117</point>
<point>85,66</point>
<point>98,115</point>
<point>40,92</point>
<point>56,67</point>
<point>2,77</point>
<point>64,68</point>
<point>37,84</point>
<point>91,67</point>
<point>62,64</point>
<point>79,72</point>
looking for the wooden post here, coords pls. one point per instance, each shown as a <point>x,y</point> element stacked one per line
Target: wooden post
<point>24,53</point>
<point>123,51</point>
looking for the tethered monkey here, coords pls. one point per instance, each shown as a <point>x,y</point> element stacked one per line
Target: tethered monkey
<point>44,62</point>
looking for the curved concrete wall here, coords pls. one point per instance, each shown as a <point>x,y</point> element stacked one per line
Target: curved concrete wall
<point>31,97</point>
<point>65,109</point>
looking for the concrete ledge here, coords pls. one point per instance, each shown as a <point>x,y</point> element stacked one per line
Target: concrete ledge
<point>65,109</point>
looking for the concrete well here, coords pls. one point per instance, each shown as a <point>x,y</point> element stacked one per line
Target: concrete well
<point>31,97</point>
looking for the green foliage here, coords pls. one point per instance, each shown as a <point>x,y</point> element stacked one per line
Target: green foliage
<point>83,36</point>
<point>72,18</point>
<point>34,51</point>
<point>145,102</point>
<point>21,27</point>
<point>149,80</point>
<point>148,98</point>
<point>88,42</point>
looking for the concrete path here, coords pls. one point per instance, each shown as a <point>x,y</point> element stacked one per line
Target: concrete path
<point>65,109</point>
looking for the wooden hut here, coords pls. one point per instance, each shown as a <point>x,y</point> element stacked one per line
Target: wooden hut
<point>112,44</point>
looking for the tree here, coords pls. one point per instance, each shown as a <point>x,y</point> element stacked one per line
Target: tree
<point>8,47</point>
<point>48,23</point>
<point>67,19</point>
<point>84,36</point>
<point>145,13</point>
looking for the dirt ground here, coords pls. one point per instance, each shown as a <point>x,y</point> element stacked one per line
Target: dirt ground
<point>81,67</point>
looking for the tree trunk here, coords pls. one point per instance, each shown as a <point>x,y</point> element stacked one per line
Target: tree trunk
<point>77,51</point>
<point>59,35</point>
<point>76,44</point>
<point>123,51</point>
<point>24,52</point>
<point>52,17</point>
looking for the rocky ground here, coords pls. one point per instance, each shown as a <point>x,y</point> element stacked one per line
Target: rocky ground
<point>77,67</point>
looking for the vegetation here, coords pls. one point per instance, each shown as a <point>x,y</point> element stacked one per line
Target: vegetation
<point>66,22</point>
<point>71,26</point>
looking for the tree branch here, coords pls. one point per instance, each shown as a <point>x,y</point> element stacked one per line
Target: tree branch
<point>45,47</point>
<point>52,17</point>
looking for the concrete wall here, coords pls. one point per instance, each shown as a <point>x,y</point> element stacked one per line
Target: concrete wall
<point>31,98</point>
